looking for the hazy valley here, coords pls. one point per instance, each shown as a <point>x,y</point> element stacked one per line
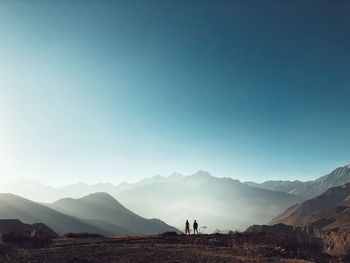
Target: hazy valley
<point>218,203</point>
<point>311,229</point>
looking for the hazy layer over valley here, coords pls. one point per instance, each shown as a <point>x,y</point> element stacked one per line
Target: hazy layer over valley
<point>217,203</point>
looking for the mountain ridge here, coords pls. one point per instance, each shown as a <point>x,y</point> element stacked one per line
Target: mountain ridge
<point>222,203</point>
<point>65,221</point>
<point>104,209</point>
<point>328,211</point>
<point>27,211</point>
<point>308,189</point>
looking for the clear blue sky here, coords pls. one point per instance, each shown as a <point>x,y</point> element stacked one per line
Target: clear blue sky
<point>120,90</point>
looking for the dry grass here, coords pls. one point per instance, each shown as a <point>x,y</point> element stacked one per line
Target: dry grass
<point>337,244</point>
<point>83,235</point>
<point>236,247</point>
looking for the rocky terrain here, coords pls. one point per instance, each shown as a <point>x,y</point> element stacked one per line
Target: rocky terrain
<point>236,247</point>
<point>332,243</point>
<point>16,226</point>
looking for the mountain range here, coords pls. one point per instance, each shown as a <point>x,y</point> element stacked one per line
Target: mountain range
<point>217,203</point>
<point>42,193</point>
<point>308,189</point>
<point>15,207</point>
<point>96,213</point>
<point>38,192</point>
<point>105,212</point>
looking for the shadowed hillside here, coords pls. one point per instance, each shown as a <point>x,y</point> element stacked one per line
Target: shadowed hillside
<point>16,226</point>
<point>15,207</point>
<point>329,211</point>
<point>102,210</point>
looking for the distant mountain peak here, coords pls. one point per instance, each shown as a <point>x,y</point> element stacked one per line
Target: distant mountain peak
<point>202,173</point>
<point>99,195</point>
<point>123,183</point>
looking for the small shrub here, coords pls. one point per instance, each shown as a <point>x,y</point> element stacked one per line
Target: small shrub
<point>217,232</point>
<point>25,239</point>
<point>337,243</point>
<point>39,242</point>
<point>83,235</point>
<point>15,238</point>
<point>5,249</point>
<point>169,234</point>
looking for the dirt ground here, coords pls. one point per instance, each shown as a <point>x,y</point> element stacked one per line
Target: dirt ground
<point>203,248</point>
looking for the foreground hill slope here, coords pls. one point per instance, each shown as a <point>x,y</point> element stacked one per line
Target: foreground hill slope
<point>102,210</point>
<point>239,247</point>
<point>217,203</point>
<point>329,211</point>
<point>15,207</point>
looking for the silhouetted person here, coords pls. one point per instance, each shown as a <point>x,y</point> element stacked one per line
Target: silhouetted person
<point>187,227</point>
<point>195,227</point>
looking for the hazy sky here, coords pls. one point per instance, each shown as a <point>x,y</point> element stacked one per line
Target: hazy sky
<point>120,90</point>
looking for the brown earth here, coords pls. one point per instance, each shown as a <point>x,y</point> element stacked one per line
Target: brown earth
<point>237,247</point>
<point>329,211</point>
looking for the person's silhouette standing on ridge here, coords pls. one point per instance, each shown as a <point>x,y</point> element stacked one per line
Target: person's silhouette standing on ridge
<point>187,227</point>
<point>195,227</point>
